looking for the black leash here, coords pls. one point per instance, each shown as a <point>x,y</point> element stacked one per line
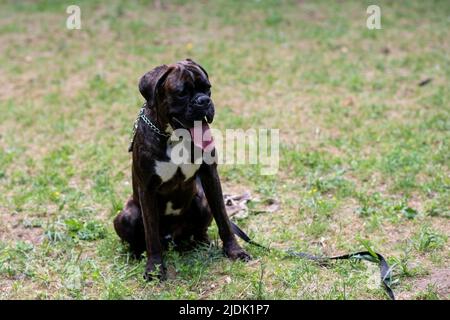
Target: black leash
<point>385,270</point>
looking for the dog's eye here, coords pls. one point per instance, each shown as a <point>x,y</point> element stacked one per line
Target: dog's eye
<point>183,93</point>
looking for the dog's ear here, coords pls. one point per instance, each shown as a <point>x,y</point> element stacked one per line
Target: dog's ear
<point>199,66</point>
<point>152,81</point>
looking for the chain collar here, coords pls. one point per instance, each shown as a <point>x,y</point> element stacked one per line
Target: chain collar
<point>147,121</point>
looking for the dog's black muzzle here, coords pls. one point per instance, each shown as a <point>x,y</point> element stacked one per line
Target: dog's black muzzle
<point>200,107</point>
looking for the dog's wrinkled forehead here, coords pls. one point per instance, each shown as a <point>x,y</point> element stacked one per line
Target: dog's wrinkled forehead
<point>186,72</point>
<point>194,67</point>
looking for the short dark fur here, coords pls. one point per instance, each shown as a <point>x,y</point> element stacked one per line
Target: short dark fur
<point>180,91</point>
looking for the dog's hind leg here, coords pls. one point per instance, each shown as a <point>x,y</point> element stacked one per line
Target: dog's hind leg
<point>130,227</point>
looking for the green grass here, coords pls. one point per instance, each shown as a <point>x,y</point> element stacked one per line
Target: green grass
<point>364,150</point>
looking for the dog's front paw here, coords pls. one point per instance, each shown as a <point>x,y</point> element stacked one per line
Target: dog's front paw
<point>235,252</point>
<point>155,269</point>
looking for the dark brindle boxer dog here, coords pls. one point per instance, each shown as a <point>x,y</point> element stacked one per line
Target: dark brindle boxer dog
<point>173,201</point>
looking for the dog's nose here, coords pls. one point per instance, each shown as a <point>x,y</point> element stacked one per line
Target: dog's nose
<point>202,100</point>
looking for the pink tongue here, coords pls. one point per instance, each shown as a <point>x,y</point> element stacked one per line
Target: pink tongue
<point>201,135</point>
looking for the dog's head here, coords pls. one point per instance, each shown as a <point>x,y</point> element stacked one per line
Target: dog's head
<point>179,93</point>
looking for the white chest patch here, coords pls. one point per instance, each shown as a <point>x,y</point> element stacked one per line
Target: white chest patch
<point>170,210</point>
<point>167,169</point>
<point>189,169</point>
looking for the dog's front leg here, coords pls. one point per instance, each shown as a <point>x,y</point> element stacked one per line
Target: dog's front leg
<point>213,191</point>
<point>150,217</point>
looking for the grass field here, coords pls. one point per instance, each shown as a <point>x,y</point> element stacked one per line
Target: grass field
<point>364,159</point>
